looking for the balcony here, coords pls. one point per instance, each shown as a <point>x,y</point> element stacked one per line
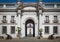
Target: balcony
<point>55,21</point>
<point>46,21</point>
<point>4,21</point>
<point>12,21</point>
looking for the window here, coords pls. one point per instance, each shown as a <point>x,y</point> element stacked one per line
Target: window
<point>46,29</point>
<point>4,30</point>
<point>47,19</point>
<point>12,19</point>
<point>55,30</point>
<point>49,5</point>
<point>58,5</point>
<point>1,5</point>
<point>12,29</point>
<point>4,19</point>
<point>55,19</point>
<point>10,6</point>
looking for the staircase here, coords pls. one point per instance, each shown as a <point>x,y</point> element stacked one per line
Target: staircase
<point>29,38</point>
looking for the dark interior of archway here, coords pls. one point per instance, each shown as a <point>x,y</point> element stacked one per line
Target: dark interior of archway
<point>29,21</point>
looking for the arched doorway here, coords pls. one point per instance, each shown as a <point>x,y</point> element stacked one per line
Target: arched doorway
<point>29,28</point>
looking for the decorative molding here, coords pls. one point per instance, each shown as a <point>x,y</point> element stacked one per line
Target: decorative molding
<point>8,23</point>
<point>7,9</point>
<point>51,23</point>
<point>8,13</point>
<point>51,9</point>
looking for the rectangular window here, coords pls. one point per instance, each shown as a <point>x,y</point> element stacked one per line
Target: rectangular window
<point>10,6</point>
<point>12,19</point>
<point>4,29</point>
<point>4,17</point>
<point>49,5</point>
<point>47,19</point>
<point>55,30</point>
<point>58,5</point>
<point>55,19</point>
<point>12,29</point>
<point>1,5</point>
<point>47,30</point>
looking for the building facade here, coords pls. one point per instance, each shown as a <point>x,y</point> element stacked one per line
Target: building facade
<point>25,19</point>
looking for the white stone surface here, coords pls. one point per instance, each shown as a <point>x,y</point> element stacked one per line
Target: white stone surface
<point>21,20</point>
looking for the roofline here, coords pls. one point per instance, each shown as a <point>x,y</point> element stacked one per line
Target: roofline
<point>9,3</point>
<point>51,2</point>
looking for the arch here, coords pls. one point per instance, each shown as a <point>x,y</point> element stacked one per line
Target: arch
<point>30,18</point>
<point>30,21</point>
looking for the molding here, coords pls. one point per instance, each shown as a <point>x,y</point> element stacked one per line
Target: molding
<point>50,2</point>
<point>51,23</point>
<point>8,23</point>
<point>51,13</point>
<point>51,9</point>
<point>29,13</point>
<point>7,10</point>
<point>8,13</point>
<point>29,10</point>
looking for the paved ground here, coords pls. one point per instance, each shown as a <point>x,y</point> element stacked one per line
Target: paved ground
<point>30,40</point>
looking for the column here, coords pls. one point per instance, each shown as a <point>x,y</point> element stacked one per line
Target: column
<point>18,21</point>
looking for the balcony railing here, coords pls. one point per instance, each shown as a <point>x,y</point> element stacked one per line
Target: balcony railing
<point>46,21</point>
<point>55,21</point>
<point>12,21</point>
<point>4,21</point>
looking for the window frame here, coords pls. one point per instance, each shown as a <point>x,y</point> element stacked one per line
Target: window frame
<point>12,31</point>
<point>4,32</point>
<point>46,32</point>
<point>46,19</point>
<point>55,17</point>
<point>49,5</point>
<point>58,5</point>
<point>1,5</point>
<point>10,5</point>
<point>55,29</point>
<point>4,17</point>
<point>12,17</point>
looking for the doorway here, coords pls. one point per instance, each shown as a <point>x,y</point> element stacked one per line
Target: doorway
<point>29,28</point>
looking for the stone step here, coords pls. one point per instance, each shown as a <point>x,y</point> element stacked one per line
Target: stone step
<point>30,38</point>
